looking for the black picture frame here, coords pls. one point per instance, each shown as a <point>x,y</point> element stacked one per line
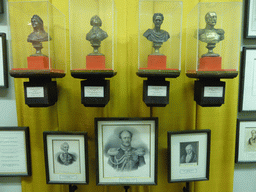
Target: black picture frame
<point>247,96</point>
<point>248,23</point>
<point>65,167</point>
<point>1,6</point>
<point>245,144</point>
<point>137,136</point>
<point>181,166</point>
<point>3,61</point>
<point>18,152</point>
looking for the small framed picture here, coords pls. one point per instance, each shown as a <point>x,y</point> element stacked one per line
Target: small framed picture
<point>126,151</point>
<point>250,22</point>
<point>66,157</point>
<point>15,159</point>
<point>189,155</point>
<point>3,60</point>
<point>247,94</point>
<point>246,141</point>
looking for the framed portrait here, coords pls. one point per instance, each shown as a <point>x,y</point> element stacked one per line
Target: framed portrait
<point>126,151</point>
<point>3,61</point>
<point>15,159</point>
<point>246,141</point>
<point>247,94</point>
<point>250,19</point>
<point>189,155</point>
<point>66,157</point>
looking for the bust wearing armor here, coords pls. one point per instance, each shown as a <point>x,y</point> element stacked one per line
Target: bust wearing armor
<point>126,158</point>
<point>210,35</point>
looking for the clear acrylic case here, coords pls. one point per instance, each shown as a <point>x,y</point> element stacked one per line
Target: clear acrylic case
<point>82,15</point>
<point>213,39</point>
<point>38,39</point>
<point>167,58</point>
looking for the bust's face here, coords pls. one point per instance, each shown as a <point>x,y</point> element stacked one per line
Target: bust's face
<point>158,21</point>
<point>34,23</point>
<point>96,21</point>
<point>211,19</point>
<point>253,134</point>
<point>126,138</point>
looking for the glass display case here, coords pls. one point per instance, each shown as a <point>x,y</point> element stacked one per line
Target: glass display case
<point>213,40</point>
<point>92,38</point>
<point>38,39</point>
<point>159,38</point>
<point>38,47</point>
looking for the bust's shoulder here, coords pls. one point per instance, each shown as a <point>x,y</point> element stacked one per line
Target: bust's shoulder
<point>148,32</point>
<point>220,31</point>
<point>201,31</point>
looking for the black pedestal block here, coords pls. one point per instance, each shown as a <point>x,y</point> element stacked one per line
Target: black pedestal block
<point>209,92</point>
<point>95,92</point>
<point>40,92</point>
<point>156,92</point>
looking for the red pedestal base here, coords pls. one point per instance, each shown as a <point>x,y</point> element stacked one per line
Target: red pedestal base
<point>38,62</point>
<point>210,64</point>
<point>156,62</point>
<point>95,62</point>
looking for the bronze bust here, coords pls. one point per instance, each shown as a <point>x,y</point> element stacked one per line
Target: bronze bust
<point>210,35</point>
<point>38,35</point>
<point>96,35</point>
<point>157,35</point>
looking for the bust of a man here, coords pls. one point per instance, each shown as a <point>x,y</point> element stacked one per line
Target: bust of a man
<point>96,34</point>
<point>38,35</point>
<point>210,35</point>
<point>157,35</point>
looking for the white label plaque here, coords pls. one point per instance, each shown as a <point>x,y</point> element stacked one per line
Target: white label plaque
<point>157,91</point>
<point>213,91</point>
<point>35,92</point>
<point>93,91</point>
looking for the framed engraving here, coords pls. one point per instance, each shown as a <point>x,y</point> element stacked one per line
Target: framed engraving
<point>15,159</point>
<point>189,155</point>
<point>3,61</point>
<point>66,157</point>
<point>247,94</point>
<point>126,151</point>
<point>250,19</point>
<point>246,141</point>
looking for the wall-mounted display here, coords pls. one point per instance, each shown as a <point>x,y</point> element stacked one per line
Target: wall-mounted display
<point>189,155</point>
<point>3,61</point>
<point>126,151</point>
<point>15,159</point>
<point>246,141</point>
<point>93,48</point>
<point>247,95</point>
<point>213,49</point>
<point>38,47</point>
<point>250,23</point>
<point>159,48</point>
<point>66,157</point>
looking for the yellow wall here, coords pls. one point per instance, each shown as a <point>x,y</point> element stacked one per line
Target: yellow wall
<point>182,113</point>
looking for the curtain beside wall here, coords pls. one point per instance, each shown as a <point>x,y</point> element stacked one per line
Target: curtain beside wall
<point>68,114</point>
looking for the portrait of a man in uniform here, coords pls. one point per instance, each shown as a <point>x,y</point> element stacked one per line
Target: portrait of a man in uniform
<point>64,157</point>
<point>126,157</point>
<point>188,152</point>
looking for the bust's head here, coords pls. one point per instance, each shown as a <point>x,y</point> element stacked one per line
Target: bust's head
<point>158,19</point>
<point>37,22</point>
<point>126,137</point>
<point>96,21</point>
<point>211,18</point>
